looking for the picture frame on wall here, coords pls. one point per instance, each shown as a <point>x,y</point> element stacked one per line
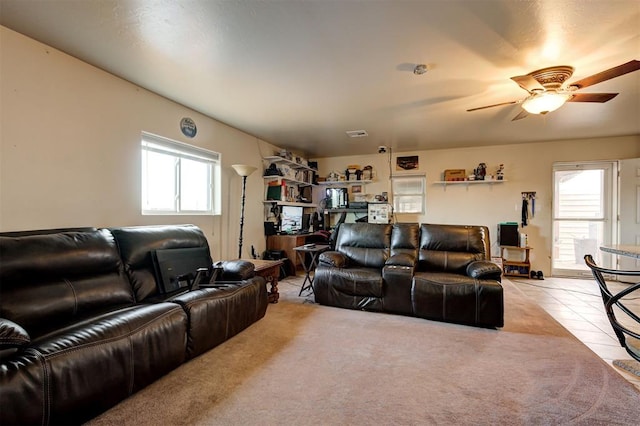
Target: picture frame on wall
<point>356,189</point>
<point>410,162</point>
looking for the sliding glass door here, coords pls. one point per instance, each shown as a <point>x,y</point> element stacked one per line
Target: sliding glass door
<point>584,208</point>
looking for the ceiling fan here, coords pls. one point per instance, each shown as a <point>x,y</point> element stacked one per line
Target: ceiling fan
<point>546,91</point>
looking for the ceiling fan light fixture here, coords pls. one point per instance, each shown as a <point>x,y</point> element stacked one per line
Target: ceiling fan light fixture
<point>544,102</point>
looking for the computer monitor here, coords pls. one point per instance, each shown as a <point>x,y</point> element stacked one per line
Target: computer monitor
<point>291,219</point>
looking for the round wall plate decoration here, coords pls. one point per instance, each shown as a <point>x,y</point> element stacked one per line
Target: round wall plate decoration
<point>188,127</point>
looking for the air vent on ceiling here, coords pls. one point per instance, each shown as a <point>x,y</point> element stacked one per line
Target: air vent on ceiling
<point>357,133</point>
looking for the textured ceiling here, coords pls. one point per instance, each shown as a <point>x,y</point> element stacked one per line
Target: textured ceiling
<point>299,74</point>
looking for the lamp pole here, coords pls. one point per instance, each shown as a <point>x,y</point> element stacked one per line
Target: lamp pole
<point>244,171</point>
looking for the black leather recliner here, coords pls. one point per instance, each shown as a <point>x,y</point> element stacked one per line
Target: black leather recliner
<point>82,326</point>
<point>438,272</point>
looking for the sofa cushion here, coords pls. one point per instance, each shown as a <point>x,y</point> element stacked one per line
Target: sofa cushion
<point>136,243</point>
<point>451,247</point>
<point>405,239</point>
<point>363,244</point>
<point>358,281</point>
<point>219,313</point>
<point>75,373</point>
<point>450,297</point>
<point>53,279</point>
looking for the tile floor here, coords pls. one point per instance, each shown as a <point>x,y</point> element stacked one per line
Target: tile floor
<point>576,304</point>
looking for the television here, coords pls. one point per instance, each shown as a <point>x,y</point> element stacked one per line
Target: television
<point>291,219</point>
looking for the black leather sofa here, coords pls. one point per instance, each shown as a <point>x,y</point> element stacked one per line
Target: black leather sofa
<point>82,325</point>
<point>437,272</point>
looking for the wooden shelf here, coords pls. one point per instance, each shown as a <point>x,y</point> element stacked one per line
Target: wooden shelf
<point>290,203</point>
<point>345,182</point>
<point>329,211</point>
<point>292,181</point>
<point>516,268</point>
<point>467,182</point>
<point>292,164</point>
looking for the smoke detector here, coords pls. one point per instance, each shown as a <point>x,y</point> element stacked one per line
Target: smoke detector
<point>420,69</point>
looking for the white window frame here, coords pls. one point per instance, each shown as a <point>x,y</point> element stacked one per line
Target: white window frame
<point>398,205</point>
<point>180,151</point>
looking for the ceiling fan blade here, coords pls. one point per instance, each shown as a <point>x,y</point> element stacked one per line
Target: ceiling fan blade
<point>522,114</point>
<point>495,105</point>
<point>607,74</point>
<point>528,83</point>
<point>592,97</point>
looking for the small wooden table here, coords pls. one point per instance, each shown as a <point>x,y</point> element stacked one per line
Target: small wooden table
<point>270,271</point>
<point>516,268</point>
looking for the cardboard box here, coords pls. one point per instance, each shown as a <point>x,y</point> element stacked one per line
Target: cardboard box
<point>455,175</point>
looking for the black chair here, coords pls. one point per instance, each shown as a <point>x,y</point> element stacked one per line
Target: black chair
<point>629,339</point>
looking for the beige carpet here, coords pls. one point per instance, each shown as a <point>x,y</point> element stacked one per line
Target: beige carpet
<point>308,364</point>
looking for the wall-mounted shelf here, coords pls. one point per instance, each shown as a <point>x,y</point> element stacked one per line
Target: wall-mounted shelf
<point>292,164</point>
<point>290,203</point>
<point>329,211</point>
<point>288,180</point>
<point>467,182</point>
<point>345,182</point>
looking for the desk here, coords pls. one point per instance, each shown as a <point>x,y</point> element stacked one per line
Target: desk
<point>287,243</point>
<point>314,251</point>
<point>270,271</point>
<point>622,249</point>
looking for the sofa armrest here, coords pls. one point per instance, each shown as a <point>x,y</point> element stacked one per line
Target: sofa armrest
<point>12,335</point>
<point>333,258</point>
<point>237,270</point>
<point>401,259</point>
<point>483,269</point>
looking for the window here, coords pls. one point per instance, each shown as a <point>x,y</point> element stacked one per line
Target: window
<point>408,194</point>
<point>178,178</point>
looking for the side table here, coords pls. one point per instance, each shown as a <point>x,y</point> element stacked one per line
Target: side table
<point>270,271</point>
<point>314,250</point>
<point>516,268</point>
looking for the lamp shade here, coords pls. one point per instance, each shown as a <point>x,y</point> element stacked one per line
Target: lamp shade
<point>244,169</point>
<point>542,103</point>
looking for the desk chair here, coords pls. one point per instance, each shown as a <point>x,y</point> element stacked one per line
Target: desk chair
<point>629,339</point>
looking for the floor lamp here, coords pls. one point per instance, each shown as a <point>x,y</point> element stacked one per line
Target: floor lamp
<point>244,171</point>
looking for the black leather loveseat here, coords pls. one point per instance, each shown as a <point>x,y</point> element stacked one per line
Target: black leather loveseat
<point>82,325</point>
<point>438,272</point>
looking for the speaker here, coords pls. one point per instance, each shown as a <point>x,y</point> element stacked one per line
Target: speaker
<point>269,228</point>
<point>508,234</point>
<point>306,222</point>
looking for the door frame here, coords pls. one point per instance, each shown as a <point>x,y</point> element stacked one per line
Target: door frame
<point>610,213</point>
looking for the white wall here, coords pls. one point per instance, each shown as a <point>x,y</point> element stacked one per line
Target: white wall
<point>70,149</point>
<point>528,167</point>
<point>70,156</point>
